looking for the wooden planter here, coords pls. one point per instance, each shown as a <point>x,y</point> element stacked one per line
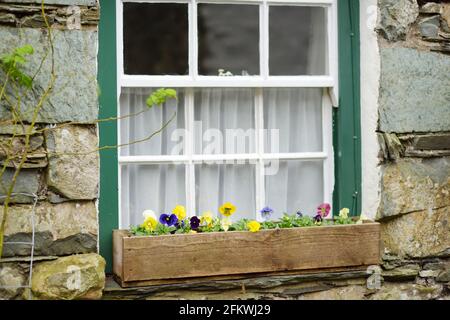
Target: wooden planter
<point>140,261</point>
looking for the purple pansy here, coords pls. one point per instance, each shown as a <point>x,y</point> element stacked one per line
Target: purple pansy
<point>195,223</point>
<point>168,219</point>
<point>266,212</point>
<point>299,214</point>
<point>324,210</point>
<point>318,218</point>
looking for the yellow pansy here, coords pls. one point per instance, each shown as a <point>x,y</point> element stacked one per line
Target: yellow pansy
<point>225,223</point>
<point>149,224</point>
<point>180,212</point>
<point>344,213</point>
<point>253,226</point>
<point>192,232</point>
<point>227,209</point>
<point>206,218</point>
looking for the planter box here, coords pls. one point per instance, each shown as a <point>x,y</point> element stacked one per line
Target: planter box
<point>140,261</point>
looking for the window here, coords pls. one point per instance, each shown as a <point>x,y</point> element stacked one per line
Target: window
<point>253,120</point>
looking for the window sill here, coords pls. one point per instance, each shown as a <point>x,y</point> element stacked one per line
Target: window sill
<point>144,261</point>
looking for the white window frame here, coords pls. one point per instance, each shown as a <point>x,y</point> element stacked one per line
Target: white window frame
<point>329,83</point>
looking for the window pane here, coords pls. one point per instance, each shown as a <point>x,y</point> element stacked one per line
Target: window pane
<point>293,120</point>
<point>228,37</point>
<point>155,38</point>
<point>137,127</point>
<point>224,121</point>
<point>294,185</point>
<point>297,40</point>
<point>156,187</point>
<point>220,183</point>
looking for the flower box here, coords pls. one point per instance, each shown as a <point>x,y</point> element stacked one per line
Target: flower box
<point>151,260</point>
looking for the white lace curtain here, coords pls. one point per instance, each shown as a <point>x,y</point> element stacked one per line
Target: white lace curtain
<point>297,185</point>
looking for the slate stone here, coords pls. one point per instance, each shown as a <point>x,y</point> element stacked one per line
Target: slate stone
<point>74,96</point>
<point>27,183</point>
<point>414,95</point>
<point>429,27</point>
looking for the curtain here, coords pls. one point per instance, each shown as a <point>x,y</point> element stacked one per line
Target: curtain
<point>293,185</point>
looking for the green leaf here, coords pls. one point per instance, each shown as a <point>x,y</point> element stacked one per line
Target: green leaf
<point>160,97</point>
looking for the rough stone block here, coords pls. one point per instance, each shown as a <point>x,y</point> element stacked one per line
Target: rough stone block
<point>391,291</point>
<point>411,185</point>
<point>395,18</point>
<point>27,183</point>
<point>419,234</point>
<point>74,96</point>
<point>11,277</point>
<point>403,273</point>
<point>414,95</point>
<point>73,170</point>
<point>61,229</point>
<point>68,278</point>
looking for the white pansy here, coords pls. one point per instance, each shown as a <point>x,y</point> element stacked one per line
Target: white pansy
<point>149,214</point>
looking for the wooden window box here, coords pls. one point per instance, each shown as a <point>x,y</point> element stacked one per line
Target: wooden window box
<point>142,261</point>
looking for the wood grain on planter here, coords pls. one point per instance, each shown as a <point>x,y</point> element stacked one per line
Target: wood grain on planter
<point>138,259</point>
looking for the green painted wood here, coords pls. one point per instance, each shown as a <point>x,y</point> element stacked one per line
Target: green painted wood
<point>108,204</point>
<point>346,119</point>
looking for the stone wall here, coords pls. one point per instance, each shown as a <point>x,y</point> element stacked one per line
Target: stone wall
<point>66,219</point>
<point>414,139</point>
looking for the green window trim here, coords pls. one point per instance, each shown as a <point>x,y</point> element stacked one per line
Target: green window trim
<point>346,120</point>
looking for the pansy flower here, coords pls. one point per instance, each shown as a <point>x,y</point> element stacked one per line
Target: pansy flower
<point>324,210</point>
<point>195,223</point>
<point>180,212</point>
<point>207,218</point>
<point>253,226</point>
<point>344,213</point>
<point>149,224</point>
<point>266,213</point>
<point>318,218</point>
<point>168,219</point>
<point>299,214</point>
<point>225,223</point>
<point>227,209</point>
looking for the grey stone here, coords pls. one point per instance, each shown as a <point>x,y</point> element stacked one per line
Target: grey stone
<point>431,7</point>
<point>27,183</point>
<point>419,234</point>
<point>391,147</point>
<point>11,278</point>
<point>74,96</point>
<point>395,18</point>
<point>432,142</point>
<point>429,273</point>
<point>74,168</point>
<point>68,278</point>
<point>57,2</point>
<point>429,27</point>
<point>36,154</point>
<point>412,185</point>
<point>444,276</point>
<point>61,229</point>
<point>396,291</point>
<point>403,273</point>
<point>414,95</point>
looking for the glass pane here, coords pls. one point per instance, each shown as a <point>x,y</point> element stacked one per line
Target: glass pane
<point>156,187</point>
<point>293,120</point>
<point>294,185</point>
<point>297,40</point>
<point>144,121</point>
<point>155,38</point>
<point>216,184</point>
<point>224,121</point>
<point>228,37</point>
